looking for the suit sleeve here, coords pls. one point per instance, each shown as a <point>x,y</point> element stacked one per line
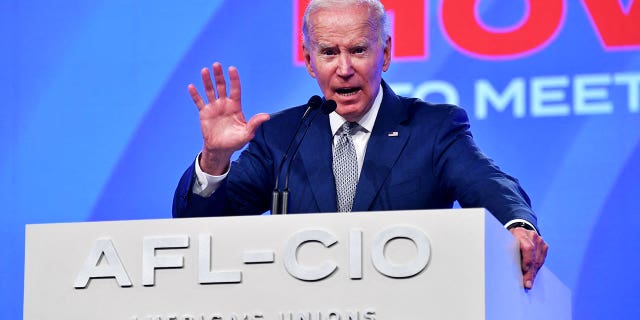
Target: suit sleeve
<point>473,178</point>
<point>188,204</point>
<point>246,190</point>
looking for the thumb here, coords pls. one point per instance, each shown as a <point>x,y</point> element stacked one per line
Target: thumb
<point>256,121</point>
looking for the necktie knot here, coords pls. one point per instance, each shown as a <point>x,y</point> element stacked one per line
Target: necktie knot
<point>349,128</point>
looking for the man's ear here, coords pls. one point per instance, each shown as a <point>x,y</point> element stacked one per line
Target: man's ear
<point>387,55</point>
<point>307,60</point>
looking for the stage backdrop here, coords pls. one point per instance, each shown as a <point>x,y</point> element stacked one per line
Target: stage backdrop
<point>96,122</point>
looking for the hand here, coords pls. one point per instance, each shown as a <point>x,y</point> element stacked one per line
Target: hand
<point>533,251</point>
<point>224,129</point>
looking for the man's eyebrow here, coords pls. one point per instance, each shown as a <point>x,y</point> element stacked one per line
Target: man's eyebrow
<point>360,44</point>
<point>322,46</point>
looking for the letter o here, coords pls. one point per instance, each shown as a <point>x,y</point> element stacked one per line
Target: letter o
<point>410,269</point>
<point>334,315</point>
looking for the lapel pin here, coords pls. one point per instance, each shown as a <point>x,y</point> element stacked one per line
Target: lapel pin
<point>392,134</point>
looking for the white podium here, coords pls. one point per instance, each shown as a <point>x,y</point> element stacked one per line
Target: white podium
<point>403,265</point>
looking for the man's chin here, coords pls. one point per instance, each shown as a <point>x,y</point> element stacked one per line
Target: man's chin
<point>351,112</point>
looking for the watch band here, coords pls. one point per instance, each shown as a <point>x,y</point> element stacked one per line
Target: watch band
<point>520,224</point>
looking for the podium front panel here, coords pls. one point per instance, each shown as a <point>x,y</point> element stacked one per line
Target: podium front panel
<point>376,265</point>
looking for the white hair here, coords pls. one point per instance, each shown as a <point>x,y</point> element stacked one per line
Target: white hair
<point>377,16</point>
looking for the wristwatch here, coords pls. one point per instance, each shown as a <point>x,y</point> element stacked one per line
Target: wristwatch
<point>520,224</point>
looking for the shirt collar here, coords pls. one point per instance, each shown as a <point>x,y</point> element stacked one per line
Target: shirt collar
<point>366,122</point>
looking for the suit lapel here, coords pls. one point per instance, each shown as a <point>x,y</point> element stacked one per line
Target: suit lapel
<point>316,156</point>
<point>388,139</point>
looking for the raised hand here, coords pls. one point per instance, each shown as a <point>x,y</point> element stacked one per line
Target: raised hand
<point>224,129</point>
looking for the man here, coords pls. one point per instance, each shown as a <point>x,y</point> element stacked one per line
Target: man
<point>405,153</point>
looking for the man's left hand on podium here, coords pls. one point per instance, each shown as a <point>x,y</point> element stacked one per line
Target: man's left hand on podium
<point>533,251</point>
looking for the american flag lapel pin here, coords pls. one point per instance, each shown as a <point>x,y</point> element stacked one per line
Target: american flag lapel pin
<point>392,134</point>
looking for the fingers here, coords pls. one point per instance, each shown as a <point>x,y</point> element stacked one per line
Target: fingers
<point>528,278</point>
<point>541,254</point>
<point>545,249</point>
<point>234,79</point>
<point>528,253</point>
<point>221,84</point>
<point>219,91</point>
<point>197,99</point>
<point>208,85</point>
<point>533,252</point>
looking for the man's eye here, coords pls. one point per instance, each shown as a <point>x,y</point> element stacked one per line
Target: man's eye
<point>359,50</point>
<point>329,52</point>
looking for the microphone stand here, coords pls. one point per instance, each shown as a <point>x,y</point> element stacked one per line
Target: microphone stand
<point>313,103</point>
<point>326,108</point>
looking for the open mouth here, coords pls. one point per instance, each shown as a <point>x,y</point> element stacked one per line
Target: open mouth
<point>347,91</point>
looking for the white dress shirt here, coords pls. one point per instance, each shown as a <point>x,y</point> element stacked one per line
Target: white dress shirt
<point>361,136</point>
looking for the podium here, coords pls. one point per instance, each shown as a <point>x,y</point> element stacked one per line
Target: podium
<point>400,265</point>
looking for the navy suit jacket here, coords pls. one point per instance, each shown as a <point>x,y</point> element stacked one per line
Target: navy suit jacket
<point>419,156</point>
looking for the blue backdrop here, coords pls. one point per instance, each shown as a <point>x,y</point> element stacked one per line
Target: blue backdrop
<point>96,122</point>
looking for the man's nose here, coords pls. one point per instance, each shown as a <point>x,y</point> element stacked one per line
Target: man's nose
<point>345,67</point>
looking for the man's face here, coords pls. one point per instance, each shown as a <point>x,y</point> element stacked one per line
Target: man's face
<point>346,57</point>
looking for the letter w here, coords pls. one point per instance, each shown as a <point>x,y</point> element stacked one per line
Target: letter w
<point>617,27</point>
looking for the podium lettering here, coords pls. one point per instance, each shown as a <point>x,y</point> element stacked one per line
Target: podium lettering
<point>151,261</point>
<point>366,314</point>
<point>205,264</point>
<point>302,272</point>
<point>97,267</point>
<point>103,260</point>
<point>390,269</point>
<point>355,254</point>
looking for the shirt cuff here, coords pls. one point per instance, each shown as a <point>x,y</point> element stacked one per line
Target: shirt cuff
<point>205,184</point>
<point>523,221</point>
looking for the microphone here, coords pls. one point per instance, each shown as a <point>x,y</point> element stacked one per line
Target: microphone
<point>326,108</point>
<point>313,103</point>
